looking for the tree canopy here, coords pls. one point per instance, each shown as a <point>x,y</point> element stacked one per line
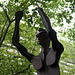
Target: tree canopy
<point>61,14</point>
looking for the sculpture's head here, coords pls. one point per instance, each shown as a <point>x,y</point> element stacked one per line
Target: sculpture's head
<point>43,38</point>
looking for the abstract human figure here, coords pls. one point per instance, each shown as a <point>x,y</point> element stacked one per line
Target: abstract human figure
<point>47,62</point>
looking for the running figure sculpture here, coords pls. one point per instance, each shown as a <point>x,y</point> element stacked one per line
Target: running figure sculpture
<point>47,62</point>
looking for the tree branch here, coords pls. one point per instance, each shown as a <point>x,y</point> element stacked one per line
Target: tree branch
<point>4,35</point>
<point>3,29</point>
<point>2,38</point>
<point>5,12</point>
<point>12,20</point>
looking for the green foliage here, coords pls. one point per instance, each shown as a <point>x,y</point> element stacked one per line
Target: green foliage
<point>71,33</point>
<point>57,10</point>
<point>67,64</point>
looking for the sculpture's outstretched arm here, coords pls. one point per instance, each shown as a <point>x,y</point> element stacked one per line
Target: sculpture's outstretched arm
<point>15,39</point>
<point>57,46</point>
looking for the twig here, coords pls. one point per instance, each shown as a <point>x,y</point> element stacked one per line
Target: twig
<point>1,40</point>
<point>18,57</point>
<point>3,29</point>
<point>12,20</point>
<point>5,12</point>
<point>4,35</point>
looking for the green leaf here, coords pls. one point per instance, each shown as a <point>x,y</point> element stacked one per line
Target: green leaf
<point>71,17</point>
<point>68,21</point>
<point>16,1</point>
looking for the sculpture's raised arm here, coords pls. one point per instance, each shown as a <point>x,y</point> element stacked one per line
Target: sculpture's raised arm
<point>15,39</point>
<point>45,19</point>
<point>56,45</point>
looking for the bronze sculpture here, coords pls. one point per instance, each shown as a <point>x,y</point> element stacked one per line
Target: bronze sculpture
<point>47,62</point>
